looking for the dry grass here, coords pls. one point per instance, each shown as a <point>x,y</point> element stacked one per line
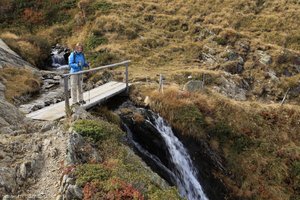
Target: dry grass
<point>33,49</point>
<point>19,82</point>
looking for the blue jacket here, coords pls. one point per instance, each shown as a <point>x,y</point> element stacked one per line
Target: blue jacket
<point>77,62</point>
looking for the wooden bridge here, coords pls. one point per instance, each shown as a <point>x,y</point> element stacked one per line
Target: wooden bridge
<point>92,97</point>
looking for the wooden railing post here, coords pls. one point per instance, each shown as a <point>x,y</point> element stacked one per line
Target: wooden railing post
<point>126,74</point>
<point>161,83</point>
<point>66,90</point>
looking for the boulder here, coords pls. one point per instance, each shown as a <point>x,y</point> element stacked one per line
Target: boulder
<point>79,151</point>
<point>73,192</point>
<point>25,169</point>
<point>80,113</point>
<point>193,86</point>
<point>9,58</point>
<point>231,89</point>
<point>233,67</point>
<point>9,114</point>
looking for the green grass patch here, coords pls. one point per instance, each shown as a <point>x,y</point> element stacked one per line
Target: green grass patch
<point>96,130</point>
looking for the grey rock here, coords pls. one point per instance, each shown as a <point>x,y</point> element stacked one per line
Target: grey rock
<point>74,192</point>
<point>8,58</point>
<point>79,151</point>
<point>193,86</point>
<point>25,169</point>
<point>272,75</point>
<point>57,77</point>
<point>9,114</point>
<point>2,89</point>
<point>264,58</point>
<point>47,126</point>
<point>8,179</point>
<point>8,197</point>
<point>229,88</point>
<point>233,67</point>
<point>80,113</point>
<point>70,181</point>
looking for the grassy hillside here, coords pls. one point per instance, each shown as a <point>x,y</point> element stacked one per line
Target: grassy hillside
<point>257,42</point>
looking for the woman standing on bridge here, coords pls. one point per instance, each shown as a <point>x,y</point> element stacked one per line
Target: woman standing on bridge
<point>77,63</point>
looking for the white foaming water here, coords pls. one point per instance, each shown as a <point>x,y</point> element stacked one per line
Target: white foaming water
<point>187,182</point>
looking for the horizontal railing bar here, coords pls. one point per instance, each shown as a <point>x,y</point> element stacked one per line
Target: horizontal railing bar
<point>98,68</point>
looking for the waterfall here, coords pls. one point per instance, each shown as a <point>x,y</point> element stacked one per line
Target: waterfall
<point>185,172</point>
<point>59,56</point>
<point>172,160</point>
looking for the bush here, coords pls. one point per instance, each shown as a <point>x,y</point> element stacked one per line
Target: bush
<point>102,57</point>
<point>96,130</point>
<point>220,41</point>
<point>95,40</point>
<point>91,172</point>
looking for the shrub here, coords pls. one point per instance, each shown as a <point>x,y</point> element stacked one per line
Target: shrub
<point>95,40</point>
<point>102,57</point>
<point>96,130</point>
<point>122,190</point>
<point>220,41</point>
<point>91,172</point>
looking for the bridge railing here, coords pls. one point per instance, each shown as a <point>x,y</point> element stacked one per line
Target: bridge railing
<point>66,80</point>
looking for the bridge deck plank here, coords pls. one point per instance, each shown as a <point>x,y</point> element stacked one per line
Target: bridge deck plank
<point>92,98</point>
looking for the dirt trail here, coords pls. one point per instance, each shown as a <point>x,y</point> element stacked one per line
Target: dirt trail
<point>53,154</point>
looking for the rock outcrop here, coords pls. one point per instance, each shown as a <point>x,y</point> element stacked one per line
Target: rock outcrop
<point>8,58</point>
